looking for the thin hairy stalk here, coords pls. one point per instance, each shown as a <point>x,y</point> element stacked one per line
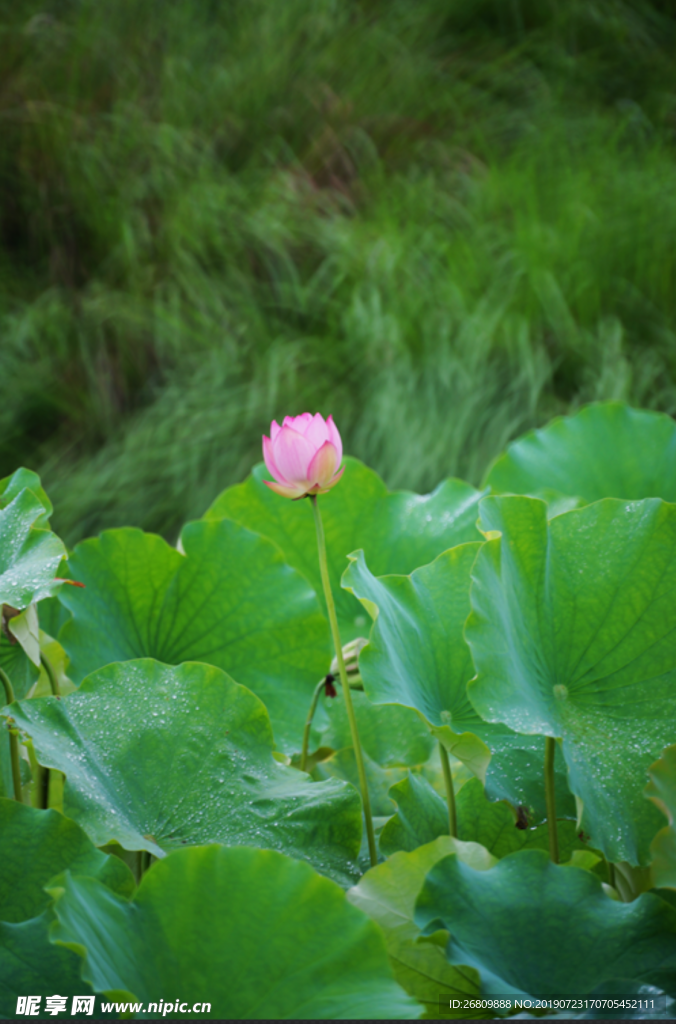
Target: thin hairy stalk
<point>550,799</point>
<point>333,620</point>
<point>308,723</point>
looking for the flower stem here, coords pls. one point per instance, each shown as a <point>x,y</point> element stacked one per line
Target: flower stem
<point>450,792</point>
<point>308,723</point>
<point>550,798</point>
<point>51,674</point>
<point>333,620</point>
<point>13,741</point>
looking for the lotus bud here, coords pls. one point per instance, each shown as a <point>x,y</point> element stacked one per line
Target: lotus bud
<point>351,658</point>
<point>303,455</point>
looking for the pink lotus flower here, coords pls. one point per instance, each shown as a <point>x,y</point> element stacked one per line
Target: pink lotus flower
<point>303,455</point>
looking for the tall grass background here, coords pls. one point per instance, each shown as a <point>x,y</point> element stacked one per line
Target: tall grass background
<point>444,221</point>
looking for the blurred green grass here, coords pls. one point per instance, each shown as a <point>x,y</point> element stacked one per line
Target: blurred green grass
<point>442,221</point>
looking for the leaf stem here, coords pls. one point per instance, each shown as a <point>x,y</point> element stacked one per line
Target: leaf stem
<point>550,798</point>
<point>40,795</point>
<point>51,674</point>
<point>450,792</point>
<point>333,620</point>
<point>308,723</point>
<point>143,860</point>
<point>54,684</point>
<point>13,741</point>
<point>44,788</point>
<point>9,692</point>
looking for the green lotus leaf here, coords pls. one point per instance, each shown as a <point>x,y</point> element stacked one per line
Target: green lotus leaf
<point>571,633</point>
<point>230,601</point>
<point>417,656</point>
<point>156,757</point>
<point>31,965</point>
<point>387,893</point>
<point>342,764</point>
<point>494,826</point>
<point>258,935</point>
<point>392,735</point>
<point>422,815</point>
<point>29,556</point>
<point>515,773</point>
<point>398,530</point>
<point>21,480</point>
<point>58,661</point>
<point>427,665</point>
<point>18,667</point>
<point>37,845</point>
<point>607,450</point>
<point>662,791</point>
<point>24,629</point>
<point>538,928</point>
<point>52,613</point>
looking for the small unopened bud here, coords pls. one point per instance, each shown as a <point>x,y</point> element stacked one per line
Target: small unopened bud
<point>351,653</point>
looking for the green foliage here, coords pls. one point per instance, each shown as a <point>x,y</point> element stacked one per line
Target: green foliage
<point>500,627</point>
<point>504,918</point>
<point>158,757</point>
<point>24,479</point>
<point>570,633</point>
<point>29,555</point>
<point>605,451</point>
<point>417,657</point>
<point>403,666</point>
<point>398,531</point>
<point>493,825</point>
<point>260,934</point>
<point>662,791</point>
<point>230,600</point>
<point>342,764</point>
<point>17,665</point>
<point>36,845</point>
<point>31,964</point>
<point>392,735</point>
<point>422,816</point>
<point>387,893</point>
